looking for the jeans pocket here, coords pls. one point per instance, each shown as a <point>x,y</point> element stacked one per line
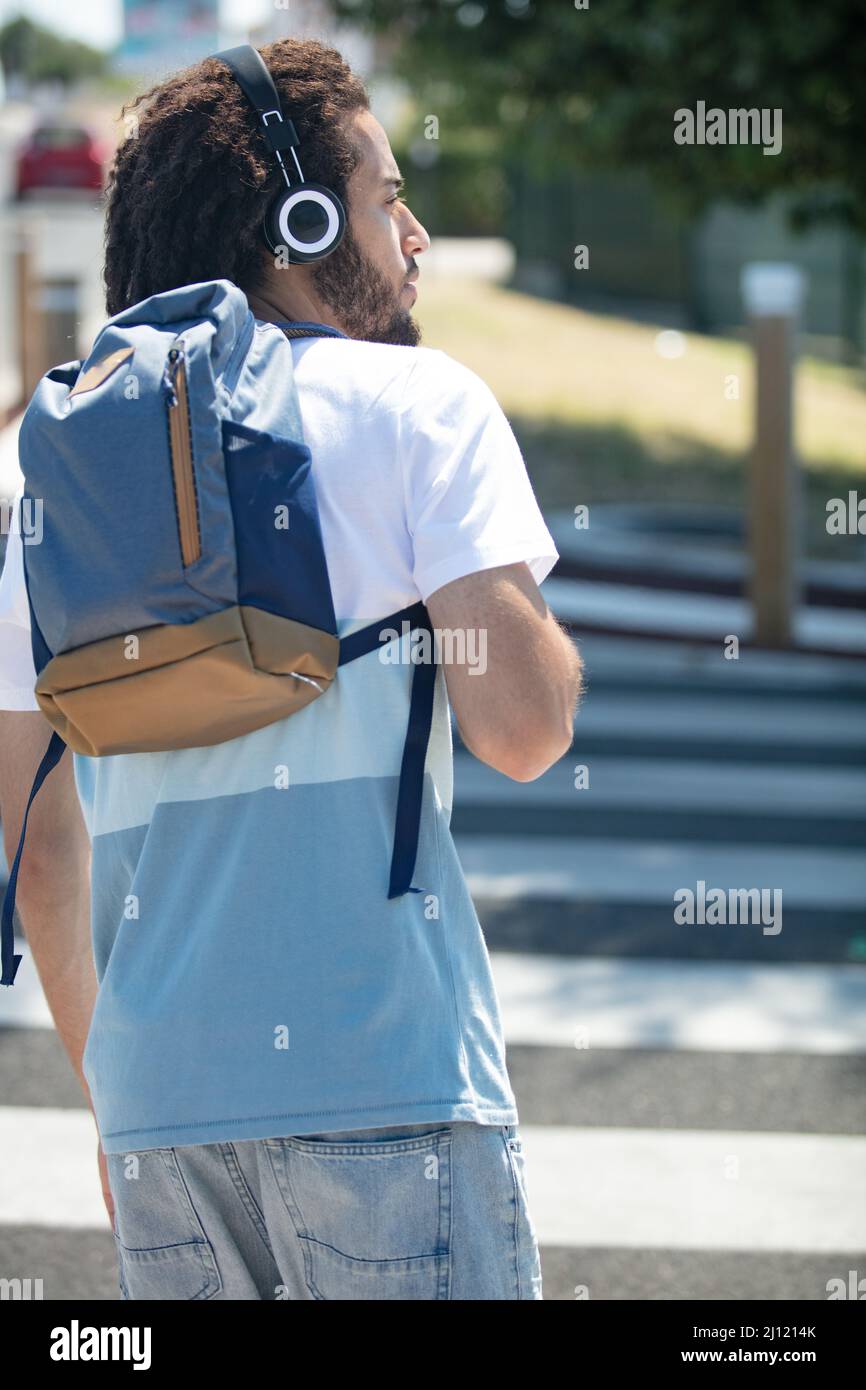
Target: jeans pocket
<point>373,1215</point>
<point>162,1250</point>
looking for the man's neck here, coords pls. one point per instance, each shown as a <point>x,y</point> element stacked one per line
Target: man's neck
<point>304,310</point>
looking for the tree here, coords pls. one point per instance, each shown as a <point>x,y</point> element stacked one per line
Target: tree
<point>36,54</point>
<point>599,86</point>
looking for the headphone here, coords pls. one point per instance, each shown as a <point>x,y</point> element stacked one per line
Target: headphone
<point>307,220</point>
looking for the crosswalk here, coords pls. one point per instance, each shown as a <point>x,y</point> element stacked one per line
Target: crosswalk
<point>691,1095</point>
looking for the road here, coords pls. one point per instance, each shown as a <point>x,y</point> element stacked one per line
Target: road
<point>63,233</point>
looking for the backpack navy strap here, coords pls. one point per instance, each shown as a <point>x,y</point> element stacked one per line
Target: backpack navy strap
<point>309,329</point>
<point>10,961</point>
<point>367,639</point>
<point>411,786</point>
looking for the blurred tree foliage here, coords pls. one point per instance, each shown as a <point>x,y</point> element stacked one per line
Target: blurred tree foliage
<point>464,192</point>
<point>571,88</point>
<point>36,54</point>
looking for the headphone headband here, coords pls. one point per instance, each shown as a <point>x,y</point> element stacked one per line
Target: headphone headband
<point>308,220</point>
<point>251,74</point>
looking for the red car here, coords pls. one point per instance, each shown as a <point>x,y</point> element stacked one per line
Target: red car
<point>58,156</point>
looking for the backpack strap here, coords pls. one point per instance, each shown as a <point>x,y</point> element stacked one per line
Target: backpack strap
<point>310,330</point>
<point>411,786</point>
<point>52,755</point>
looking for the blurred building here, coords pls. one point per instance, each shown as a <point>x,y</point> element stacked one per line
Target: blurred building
<point>161,35</point>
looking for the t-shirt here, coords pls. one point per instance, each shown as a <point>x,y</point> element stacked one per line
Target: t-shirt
<point>254,978</point>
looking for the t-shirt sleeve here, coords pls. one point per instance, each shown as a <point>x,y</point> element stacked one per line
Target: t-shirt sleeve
<point>17,672</point>
<point>469,502</point>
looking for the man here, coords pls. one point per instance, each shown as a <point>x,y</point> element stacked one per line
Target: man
<point>300,1085</point>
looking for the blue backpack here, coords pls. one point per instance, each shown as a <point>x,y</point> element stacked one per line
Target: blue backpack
<point>179,594</point>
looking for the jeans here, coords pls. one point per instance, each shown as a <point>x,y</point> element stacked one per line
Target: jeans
<point>419,1211</point>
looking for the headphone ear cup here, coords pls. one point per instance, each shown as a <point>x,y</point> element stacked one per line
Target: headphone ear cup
<point>308,219</point>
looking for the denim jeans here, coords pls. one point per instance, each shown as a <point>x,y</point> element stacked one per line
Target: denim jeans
<point>419,1211</point>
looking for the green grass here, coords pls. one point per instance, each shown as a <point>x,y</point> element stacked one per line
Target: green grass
<point>601,416</point>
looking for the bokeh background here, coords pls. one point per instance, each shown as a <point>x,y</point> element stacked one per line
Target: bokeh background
<point>691,1094</point>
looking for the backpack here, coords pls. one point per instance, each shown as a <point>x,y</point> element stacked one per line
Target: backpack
<point>179,595</point>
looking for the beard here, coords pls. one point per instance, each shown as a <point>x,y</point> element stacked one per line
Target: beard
<point>364,300</point>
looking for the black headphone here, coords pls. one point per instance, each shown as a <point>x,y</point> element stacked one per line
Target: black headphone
<point>308,219</point>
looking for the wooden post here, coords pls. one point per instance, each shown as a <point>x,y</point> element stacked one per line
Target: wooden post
<point>31,352</point>
<point>58,302</point>
<point>772,294</point>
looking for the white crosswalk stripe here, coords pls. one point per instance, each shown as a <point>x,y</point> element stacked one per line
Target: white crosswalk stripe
<point>699,1005</point>
<point>681,1190</point>
<point>627,607</point>
<point>50,1173</point>
<point>808,791</point>
<point>653,870</point>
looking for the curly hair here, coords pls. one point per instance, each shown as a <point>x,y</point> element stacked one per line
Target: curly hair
<point>189,187</point>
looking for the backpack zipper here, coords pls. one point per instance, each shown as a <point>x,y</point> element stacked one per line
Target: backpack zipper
<point>180,437</point>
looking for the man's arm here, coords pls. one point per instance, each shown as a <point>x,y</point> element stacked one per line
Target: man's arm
<point>53,897</point>
<point>517,716</point>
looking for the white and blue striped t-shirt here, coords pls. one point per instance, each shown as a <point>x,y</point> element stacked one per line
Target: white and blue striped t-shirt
<point>254,978</point>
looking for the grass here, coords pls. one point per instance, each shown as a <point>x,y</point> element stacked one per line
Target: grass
<point>601,416</point>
